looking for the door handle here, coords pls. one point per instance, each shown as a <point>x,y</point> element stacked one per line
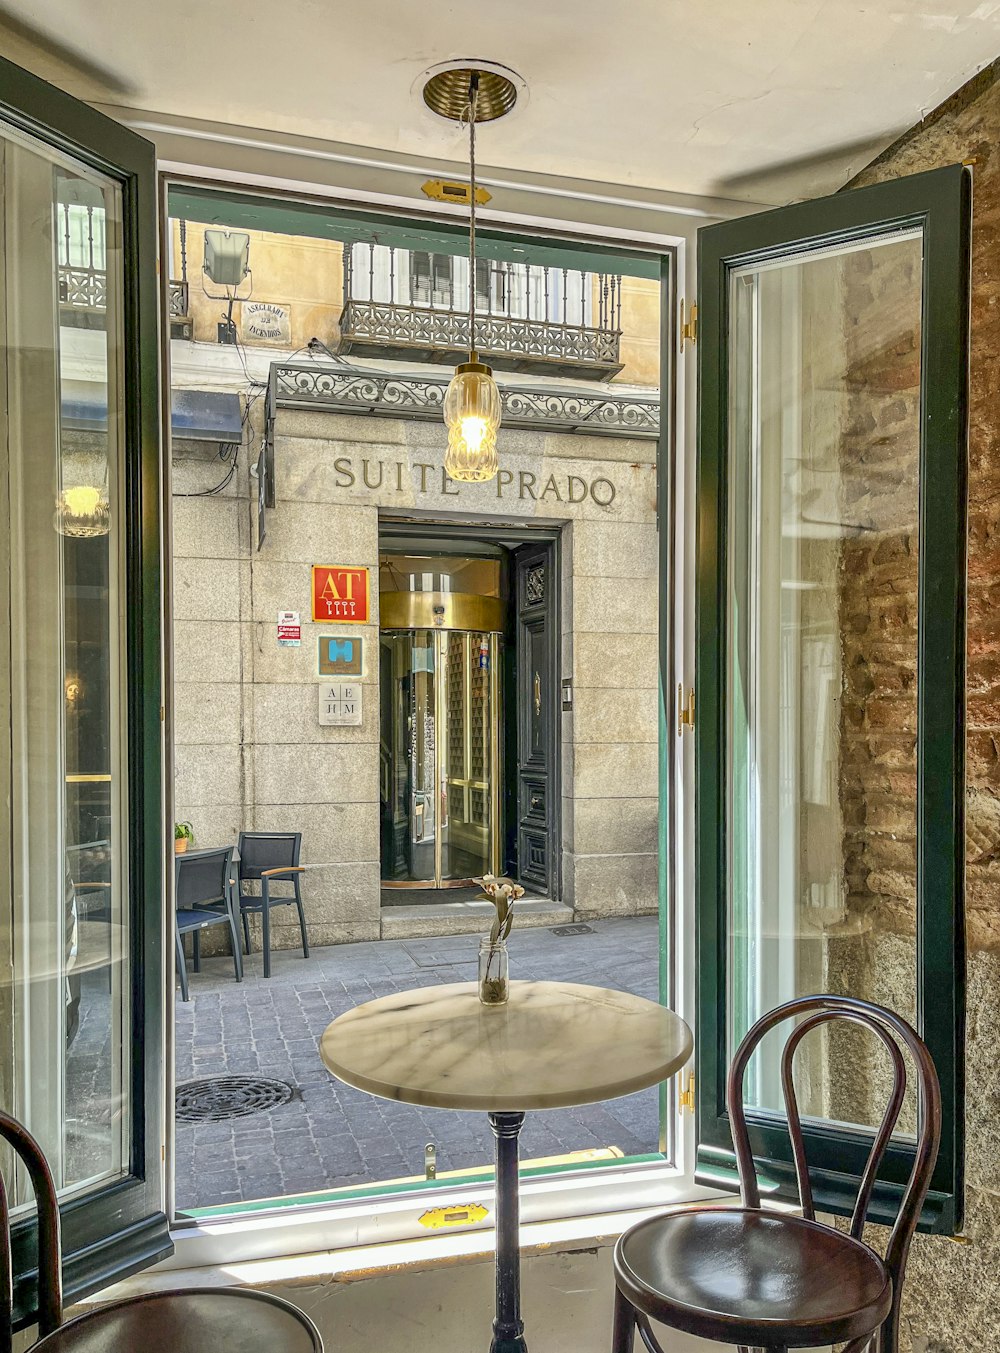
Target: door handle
<point>538,696</point>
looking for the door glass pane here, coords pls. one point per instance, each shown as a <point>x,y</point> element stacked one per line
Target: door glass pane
<point>408,798</point>
<point>63,920</point>
<point>467,778</point>
<point>822,649</point>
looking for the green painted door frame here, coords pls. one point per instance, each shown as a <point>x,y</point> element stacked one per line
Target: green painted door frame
<point>939,204</point>
<point>119,1226</point>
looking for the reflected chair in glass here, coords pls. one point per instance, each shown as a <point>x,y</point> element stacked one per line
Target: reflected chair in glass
<point>89,885</point>
<point>226,1320</point>
<point>203,897</point>
<point>778,1281</point>
<point>268,858</point>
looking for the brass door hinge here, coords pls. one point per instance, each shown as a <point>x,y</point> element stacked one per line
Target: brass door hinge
<point>689,327</point>
<point>685,710</point>
<point>685,1099</point>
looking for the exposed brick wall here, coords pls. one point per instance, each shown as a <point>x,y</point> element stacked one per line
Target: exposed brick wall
<point>877,583</point>
<point>953,1292</point>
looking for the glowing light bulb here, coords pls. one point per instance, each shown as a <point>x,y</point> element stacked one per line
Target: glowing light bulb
<point>82,511</point>
<point>473,433</point>
<point>82,501</point>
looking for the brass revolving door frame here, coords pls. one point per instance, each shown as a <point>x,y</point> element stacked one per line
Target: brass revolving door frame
<point>441,614</point>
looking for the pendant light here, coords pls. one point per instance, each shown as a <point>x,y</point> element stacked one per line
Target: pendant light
<point>82,506</point>
<point>472,403</point>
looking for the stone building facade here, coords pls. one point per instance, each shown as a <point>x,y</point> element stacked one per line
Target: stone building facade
<point>249,750</point>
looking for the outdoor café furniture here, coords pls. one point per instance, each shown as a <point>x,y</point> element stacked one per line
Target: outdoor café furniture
<point>552,1045</point>
<point>225,1320</point>
<point>268,858</point>
<point>778,1281</point>
<point>203,896</point>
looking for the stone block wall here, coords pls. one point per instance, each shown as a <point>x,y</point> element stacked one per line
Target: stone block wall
<point>249,751</point>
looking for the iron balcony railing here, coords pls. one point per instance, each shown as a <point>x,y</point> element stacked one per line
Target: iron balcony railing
<point>85,291</point>
<point>83,288</point>
<point>341,388</point>
<point>404,304</point>
<point>180,301</point>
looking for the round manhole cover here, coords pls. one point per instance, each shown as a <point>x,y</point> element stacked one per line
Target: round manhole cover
<point>220,1097</point>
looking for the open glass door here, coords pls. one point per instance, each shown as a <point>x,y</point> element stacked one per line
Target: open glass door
<point>80,866</point>
<point>830,659</point>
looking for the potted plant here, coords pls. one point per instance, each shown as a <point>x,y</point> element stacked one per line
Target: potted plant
<point>494,985</point>
<point>183,837</point>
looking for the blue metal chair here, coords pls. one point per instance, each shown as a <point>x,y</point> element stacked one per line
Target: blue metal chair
<point>267,858</point>
<point>203,896</point>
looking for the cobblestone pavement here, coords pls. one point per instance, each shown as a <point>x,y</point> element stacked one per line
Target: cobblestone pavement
<point>331,1136</point>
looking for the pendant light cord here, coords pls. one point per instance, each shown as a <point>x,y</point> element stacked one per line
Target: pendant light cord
<point>473,102</point>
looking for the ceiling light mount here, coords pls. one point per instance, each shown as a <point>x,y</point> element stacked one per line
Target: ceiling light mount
<point>472,408</point>
<point>446,92</point>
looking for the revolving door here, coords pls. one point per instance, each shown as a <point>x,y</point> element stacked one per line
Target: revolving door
<point>439,756</point>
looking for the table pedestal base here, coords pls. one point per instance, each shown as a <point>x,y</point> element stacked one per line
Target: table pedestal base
<point>508,1327</point>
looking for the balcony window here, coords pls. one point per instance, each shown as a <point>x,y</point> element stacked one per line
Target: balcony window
<point>81,238</point>
<point>431,281</point>
<point>535,318</point>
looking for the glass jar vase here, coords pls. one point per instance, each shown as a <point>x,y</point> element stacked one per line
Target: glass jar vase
<point>494,984</point>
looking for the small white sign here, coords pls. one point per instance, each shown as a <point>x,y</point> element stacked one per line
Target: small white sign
<point>339,703</point>
<point>289,629</point>
<point>265,322</point>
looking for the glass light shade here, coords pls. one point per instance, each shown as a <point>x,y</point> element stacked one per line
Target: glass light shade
<point>472,415</point>
<point>82,507</point>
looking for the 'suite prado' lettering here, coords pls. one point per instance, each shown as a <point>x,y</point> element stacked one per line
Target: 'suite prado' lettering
<point>423,477</point>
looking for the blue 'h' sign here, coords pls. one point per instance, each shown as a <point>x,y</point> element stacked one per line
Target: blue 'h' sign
<point>340,648</point>
<point>339,656</point>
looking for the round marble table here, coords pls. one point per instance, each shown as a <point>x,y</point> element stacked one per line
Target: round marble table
<point>553,1045</point>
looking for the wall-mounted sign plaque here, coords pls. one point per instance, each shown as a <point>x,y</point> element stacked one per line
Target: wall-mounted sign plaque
<point>340,655</point>
<point>289,629</point>
<point>340,593</point>
<point>265,322</point>
<point>339,703</point>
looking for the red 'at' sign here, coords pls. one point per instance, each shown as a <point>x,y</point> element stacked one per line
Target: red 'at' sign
<point>340,594</point>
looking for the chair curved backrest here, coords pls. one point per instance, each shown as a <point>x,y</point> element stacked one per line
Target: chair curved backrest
<point>202,876</point>
<point>267,850</point>
<point>49,1245</point>
<point>888,1027</point>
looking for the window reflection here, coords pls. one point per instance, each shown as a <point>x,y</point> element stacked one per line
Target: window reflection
<point>63,1003</point>
<point>823,652</point>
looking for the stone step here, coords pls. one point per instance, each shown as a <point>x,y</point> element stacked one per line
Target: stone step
<point>466,918</point>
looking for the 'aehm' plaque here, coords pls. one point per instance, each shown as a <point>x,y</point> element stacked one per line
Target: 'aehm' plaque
<point>339,704</point>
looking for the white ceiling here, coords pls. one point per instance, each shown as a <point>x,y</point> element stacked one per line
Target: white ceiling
<point>762,100</point>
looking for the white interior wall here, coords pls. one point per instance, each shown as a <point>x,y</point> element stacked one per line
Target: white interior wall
<point>566,1304</point>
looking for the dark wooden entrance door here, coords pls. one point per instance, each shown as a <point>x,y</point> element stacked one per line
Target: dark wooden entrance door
<point>536,798</point>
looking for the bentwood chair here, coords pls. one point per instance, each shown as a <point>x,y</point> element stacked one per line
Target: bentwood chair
<point>203,897</point>
<point>226,1320</point>
<point>776,1281</point>
<point>268,858</point>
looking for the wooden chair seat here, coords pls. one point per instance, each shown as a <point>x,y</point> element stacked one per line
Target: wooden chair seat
<point>224,1320</point>
<point>742,1276</point>
<point>772,1280</point>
